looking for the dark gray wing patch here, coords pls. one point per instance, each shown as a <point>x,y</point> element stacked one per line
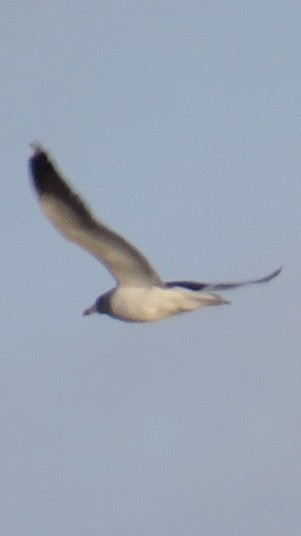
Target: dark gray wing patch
<point>190,285</point>
<point>47,181</point>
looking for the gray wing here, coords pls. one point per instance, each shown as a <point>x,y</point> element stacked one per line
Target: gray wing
<point>69,214</point>
<point>226,285</point>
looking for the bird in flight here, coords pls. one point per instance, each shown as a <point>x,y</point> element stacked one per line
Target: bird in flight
<point>140,295</point>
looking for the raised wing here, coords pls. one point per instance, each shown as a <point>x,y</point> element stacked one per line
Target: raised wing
<point>226,285</point>
<point>69,214</point>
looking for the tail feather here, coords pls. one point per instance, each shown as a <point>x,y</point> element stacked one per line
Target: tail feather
<point>214,299</point>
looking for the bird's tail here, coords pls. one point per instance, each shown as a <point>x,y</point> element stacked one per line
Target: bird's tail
<point>211,299</point>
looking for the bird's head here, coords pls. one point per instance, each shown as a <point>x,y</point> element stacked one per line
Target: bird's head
<point>102,305</point>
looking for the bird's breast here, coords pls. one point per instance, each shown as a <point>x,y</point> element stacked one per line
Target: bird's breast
<point>149,304</point>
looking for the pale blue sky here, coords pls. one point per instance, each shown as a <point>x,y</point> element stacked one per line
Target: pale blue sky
<point>180,122</point>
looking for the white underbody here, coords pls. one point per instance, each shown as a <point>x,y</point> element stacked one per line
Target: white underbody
<point>155,303</point>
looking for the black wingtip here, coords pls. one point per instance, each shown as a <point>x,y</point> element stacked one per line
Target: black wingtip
<point>271,276</point>
<point>48,181</point>
<point>36,148</point>
<point>38,158</point>
<point>41,168</point>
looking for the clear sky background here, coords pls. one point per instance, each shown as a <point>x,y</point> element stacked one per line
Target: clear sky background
<point>180,122</point>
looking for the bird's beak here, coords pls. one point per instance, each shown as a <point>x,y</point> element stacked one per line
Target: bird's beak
<point>90,310</point>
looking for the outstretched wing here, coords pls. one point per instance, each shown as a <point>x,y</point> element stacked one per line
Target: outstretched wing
<point>226,285</point>
<point>69,214</point>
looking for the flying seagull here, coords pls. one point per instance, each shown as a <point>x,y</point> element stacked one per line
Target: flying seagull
<point>140,295</point>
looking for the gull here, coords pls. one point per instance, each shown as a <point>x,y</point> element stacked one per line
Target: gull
<point>140,295</point>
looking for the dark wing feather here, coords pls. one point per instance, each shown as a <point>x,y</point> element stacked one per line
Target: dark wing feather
<point>226,285</point>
